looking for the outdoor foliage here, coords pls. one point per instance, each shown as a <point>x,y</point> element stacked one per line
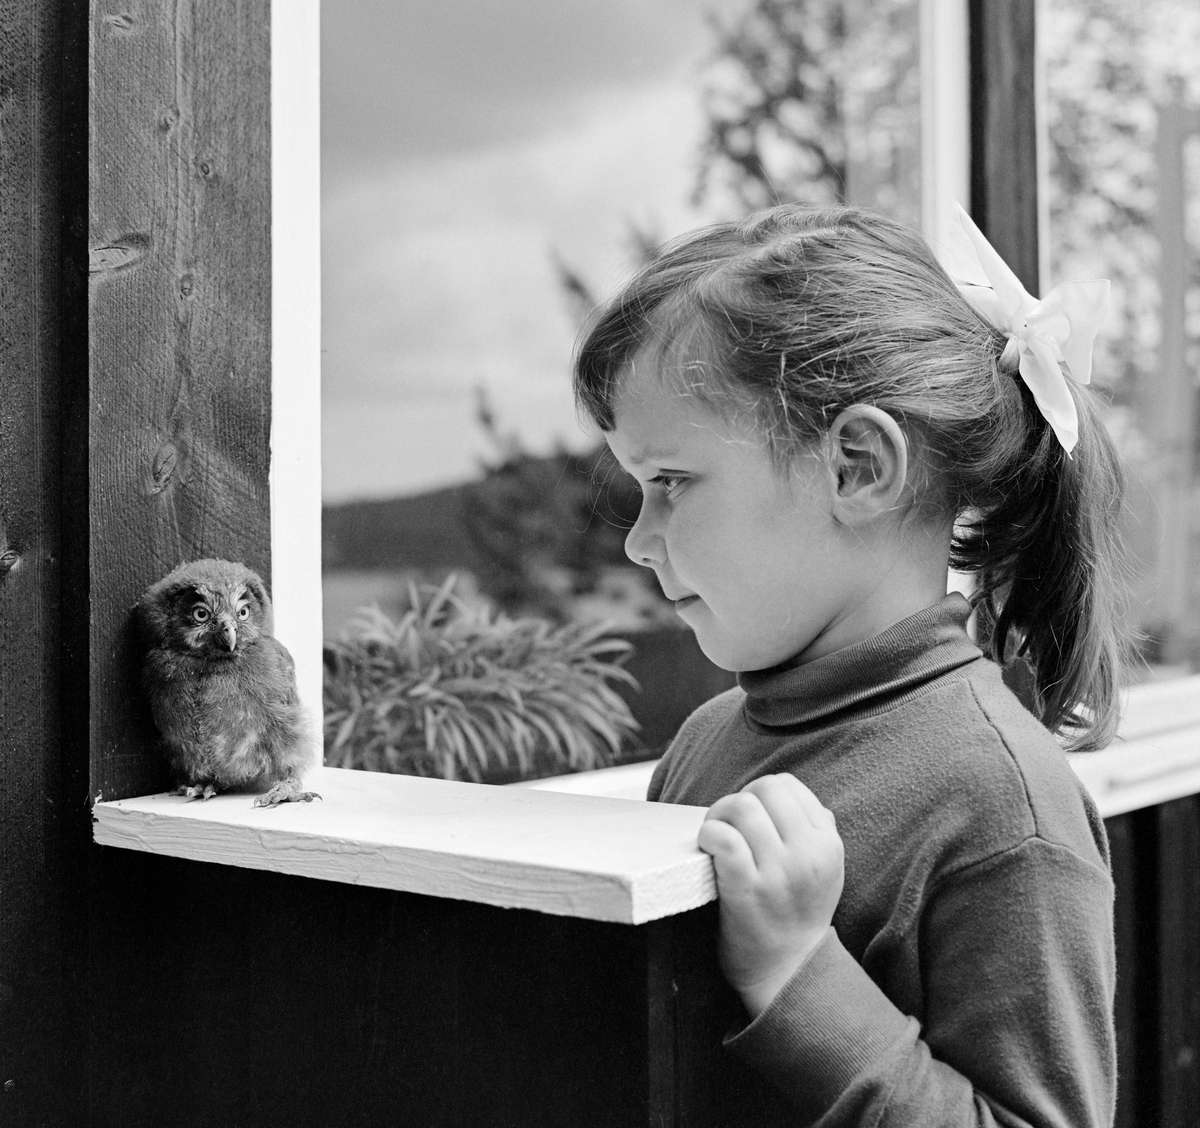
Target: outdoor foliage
<point>458,691</point>
<point>1109,64</point>
<point>546,529</point>
<point>815,101</point>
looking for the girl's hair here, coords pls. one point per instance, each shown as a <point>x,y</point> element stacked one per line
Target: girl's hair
<point>795,314</point>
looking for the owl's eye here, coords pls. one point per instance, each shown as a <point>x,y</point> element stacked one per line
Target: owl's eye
<point>244,611</point>
<point>201,614</point>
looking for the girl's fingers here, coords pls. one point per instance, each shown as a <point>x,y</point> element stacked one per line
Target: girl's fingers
<point>745,812</point>
<point>728,849</point>
<point>788,802</point>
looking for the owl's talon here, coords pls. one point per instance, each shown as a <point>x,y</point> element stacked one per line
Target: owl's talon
<point>286,792</point>
<point>195,791</point>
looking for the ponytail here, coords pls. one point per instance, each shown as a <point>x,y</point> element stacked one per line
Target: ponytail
<point>1050,575</point>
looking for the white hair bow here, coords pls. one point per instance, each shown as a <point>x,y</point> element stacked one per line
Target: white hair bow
<point>1051,339</point>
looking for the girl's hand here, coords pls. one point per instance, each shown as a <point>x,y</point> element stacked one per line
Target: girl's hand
<point>779,864</point>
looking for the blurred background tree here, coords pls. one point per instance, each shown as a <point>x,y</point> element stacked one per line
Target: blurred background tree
<point>1109,64</point>
<point>814,101</point>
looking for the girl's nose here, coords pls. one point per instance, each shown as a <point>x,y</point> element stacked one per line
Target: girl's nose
<point>644,544</point>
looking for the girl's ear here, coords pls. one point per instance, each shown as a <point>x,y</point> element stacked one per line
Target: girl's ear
<point>868,455</point>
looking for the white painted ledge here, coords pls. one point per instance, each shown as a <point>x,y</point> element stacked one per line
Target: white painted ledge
<point>574,845</point>
<point>571,855</point>
<point>628,781</point>
<point>1156,756</point>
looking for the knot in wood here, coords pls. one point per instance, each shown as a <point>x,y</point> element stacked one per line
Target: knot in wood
<point>163,470</point>
<point>187,286</point>
<point>9,559</point>
<point>118,255</point>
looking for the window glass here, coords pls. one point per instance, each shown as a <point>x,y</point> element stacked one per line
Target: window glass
<point>491,168</point>
<point>1122,83</point>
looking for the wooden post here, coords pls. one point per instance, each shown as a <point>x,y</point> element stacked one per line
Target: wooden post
<point>1169,400</point>
<point>1004,164</point>
<point>179,328</point>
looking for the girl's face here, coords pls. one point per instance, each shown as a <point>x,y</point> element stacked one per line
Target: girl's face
<point>753,558</point>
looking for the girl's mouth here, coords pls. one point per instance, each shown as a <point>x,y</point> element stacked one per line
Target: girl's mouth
<point>686,601</point>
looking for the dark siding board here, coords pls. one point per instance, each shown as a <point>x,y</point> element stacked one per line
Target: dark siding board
<point>1178,872</point>
<point>43,783</point>
<point>1156,869</point>
<point>180,329</point>
<point>1004,132</point>
<point>238,997</point>
<point>1133,842</point>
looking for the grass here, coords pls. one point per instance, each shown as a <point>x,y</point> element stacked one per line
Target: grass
<point>459,691</point>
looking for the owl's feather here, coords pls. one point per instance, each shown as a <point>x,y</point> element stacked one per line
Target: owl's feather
<point>222,688</point>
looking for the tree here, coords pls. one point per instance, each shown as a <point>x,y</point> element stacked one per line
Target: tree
<point>1108,64</point>
<point>814,101</point>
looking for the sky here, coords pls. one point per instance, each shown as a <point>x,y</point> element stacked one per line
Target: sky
<point>465,145</point>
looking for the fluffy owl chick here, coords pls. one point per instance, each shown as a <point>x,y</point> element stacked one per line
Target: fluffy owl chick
<point>221,687</point>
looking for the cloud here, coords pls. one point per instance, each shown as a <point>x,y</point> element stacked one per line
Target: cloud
<point>437,256</point>
<point>415,76</point>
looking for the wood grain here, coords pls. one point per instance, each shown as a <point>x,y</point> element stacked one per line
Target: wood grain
<point>180,305</point>
<point>44,831</point>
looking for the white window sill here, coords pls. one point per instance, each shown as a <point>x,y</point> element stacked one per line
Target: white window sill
<point>571,855</point>
<point>577,845</point>
<point>1156,756</point>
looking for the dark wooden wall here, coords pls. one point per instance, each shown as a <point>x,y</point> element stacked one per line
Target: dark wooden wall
<point>44,829</point>
<point>1156,868</point>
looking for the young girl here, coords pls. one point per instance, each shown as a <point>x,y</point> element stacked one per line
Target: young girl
<point>821,422</point>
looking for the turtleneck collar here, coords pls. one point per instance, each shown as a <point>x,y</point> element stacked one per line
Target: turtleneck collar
<point>867,674</point>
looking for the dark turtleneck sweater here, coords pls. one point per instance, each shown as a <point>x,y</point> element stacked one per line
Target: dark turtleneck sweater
<point>969,975</point>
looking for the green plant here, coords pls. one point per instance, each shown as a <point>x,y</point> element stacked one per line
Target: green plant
<point>462,692</point>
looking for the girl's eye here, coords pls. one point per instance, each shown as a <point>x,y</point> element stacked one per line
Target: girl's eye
<point>244,611</point>
<point>201,614</point>
<point>669,482</point>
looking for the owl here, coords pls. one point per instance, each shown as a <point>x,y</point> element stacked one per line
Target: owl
<point>222,688</point>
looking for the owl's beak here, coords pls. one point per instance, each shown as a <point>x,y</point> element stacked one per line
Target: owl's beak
<point>230,635</point>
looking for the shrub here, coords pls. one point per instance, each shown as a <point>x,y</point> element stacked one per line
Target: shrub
<point>459,691</point>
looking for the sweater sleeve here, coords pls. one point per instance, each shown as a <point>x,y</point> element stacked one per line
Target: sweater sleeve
<point>1018,980</point>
